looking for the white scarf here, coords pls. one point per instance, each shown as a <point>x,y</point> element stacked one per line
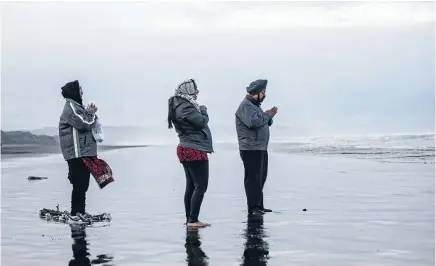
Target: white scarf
<point>186,90</point>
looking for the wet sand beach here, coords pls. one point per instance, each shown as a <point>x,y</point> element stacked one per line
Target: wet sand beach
<point>359,212</point>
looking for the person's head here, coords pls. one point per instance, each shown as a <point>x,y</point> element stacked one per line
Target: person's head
<point>72,90</point>
<point>188,88</point>
<point>257,90</point>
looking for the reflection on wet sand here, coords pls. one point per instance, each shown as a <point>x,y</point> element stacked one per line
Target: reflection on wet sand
<point>80,250</point>
<point>195,255</point>
<point>256,250</point>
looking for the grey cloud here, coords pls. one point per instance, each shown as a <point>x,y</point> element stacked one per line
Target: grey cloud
<point>365,79</point>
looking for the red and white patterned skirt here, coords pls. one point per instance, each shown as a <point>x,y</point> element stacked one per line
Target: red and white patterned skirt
<point>190,155</point>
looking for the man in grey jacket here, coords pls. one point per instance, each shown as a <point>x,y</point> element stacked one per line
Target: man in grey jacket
<point>77,141</point>
<point>252,127</point>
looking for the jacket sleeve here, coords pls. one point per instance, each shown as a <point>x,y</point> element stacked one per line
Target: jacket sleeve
<point>252,118</point>
<point>79,118</point>
<point>190,114</point>
<point>206,116</point>
<point>270,122</point>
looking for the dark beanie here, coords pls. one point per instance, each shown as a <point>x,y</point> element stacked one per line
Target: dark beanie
<point>257,86</point>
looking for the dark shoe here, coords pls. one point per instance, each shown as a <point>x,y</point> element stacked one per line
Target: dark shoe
<point>266,210</point>
<point>256,212</point>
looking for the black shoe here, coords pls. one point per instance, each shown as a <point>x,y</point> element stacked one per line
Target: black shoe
<point>266,210</point>
<point>256,211</point>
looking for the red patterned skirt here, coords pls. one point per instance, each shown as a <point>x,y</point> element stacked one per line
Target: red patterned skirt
<point>190,155</point>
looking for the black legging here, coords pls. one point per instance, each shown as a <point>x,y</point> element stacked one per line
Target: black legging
<point>197,178</point>
<point>79,177</point>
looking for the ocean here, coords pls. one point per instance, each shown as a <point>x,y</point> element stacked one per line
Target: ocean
<point>368,201</point>
<point>401,148</point>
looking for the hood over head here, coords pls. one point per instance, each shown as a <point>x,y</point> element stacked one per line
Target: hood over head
<point>187,87</point>
<point>71,90</point>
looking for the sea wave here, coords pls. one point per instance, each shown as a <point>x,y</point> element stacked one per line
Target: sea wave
<point>405,148</point>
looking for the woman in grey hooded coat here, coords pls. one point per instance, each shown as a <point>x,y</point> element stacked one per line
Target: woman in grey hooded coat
<point>191,124</point>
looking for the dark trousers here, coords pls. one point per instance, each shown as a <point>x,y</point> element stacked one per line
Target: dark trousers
<point>256,171</point>
<point>197,178</point>
<point>79,176</point>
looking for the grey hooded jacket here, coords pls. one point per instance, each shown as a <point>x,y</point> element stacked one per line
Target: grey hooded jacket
<point>252,126</point>
<point>75,133</point>
<point>191,125</point>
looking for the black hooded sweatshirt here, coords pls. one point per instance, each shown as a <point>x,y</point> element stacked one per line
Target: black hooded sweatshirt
<point>71,90</point>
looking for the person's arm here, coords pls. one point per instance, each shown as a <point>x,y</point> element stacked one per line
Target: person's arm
<point>252,118</point>
<point>190,114</point>
<point>79,118</point>
<point>206,116</point>
<point>270,122</point>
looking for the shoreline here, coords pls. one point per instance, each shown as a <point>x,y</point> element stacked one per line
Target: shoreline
<point>14,151</point>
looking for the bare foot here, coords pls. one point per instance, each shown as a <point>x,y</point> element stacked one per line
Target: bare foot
<point>198,224</point>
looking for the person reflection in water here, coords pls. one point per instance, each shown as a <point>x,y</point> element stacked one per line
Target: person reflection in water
<point>80,250</point>
<point>195,255</point>
<point>256,250</point>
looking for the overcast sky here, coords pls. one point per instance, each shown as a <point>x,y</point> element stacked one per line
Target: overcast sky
<point>345,67</point>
